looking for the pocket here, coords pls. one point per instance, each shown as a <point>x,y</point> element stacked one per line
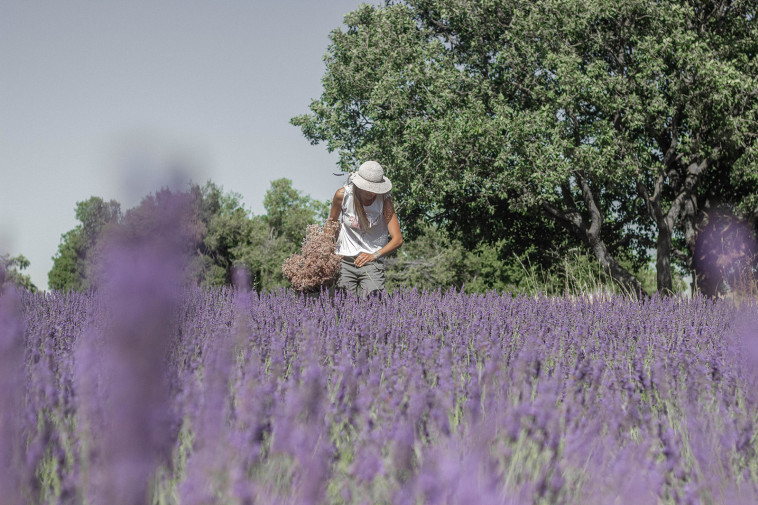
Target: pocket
<point>379,264</point>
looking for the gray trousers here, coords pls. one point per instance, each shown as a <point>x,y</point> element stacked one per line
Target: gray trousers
<point>361,280</point>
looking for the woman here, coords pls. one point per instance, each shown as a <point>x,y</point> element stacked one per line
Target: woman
<point>367,218</point>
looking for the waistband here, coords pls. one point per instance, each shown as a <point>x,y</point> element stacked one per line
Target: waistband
<point>351,259</point>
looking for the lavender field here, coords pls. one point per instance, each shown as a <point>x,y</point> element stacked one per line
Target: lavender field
<point>142,393</point>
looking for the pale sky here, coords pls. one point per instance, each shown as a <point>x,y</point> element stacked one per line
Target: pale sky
<point>98,98</point>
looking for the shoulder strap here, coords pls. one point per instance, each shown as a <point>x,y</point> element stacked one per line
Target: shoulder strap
<point>348,194</point>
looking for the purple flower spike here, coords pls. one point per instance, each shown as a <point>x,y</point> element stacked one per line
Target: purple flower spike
<point>140,284</point>
<point>11,397</point>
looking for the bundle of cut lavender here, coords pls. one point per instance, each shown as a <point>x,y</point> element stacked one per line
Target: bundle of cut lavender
<point>317,265</point>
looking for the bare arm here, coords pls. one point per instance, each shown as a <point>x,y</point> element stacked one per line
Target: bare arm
<point>336,209</point>
<point>393,225</point>
<point>396,236</point>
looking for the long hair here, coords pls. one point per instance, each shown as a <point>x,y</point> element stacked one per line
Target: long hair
<point>360,212</point>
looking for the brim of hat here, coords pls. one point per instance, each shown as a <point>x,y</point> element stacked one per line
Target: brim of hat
<point>375,187</point>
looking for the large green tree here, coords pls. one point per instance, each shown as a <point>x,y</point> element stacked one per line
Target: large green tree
<point>616,122</point>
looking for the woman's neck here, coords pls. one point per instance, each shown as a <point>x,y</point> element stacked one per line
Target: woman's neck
<point>365,200</point>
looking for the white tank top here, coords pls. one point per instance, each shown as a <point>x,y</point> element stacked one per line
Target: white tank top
<point>352,239</point>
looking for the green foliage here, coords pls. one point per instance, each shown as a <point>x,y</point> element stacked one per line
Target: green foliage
<point>10,272</point>
<point>577,274</point>
<point>430,261</point>
<point>489,267</point>
<point>288,212</point>
<point>219,234</point>
<point>237,239</point>
<point>216,233</point>
<point>77,246</point>
<point>616,123</point>
<point>434,260</point>
<point>68,270</point>
<point>95,215</point>
<point>260,243</point>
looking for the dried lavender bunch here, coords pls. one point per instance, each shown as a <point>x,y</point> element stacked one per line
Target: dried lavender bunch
<point>317,266</point>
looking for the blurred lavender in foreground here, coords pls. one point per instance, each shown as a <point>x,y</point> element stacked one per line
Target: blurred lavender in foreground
<point>122,364</point>
<point>12,475</point>
<point>726,256</point>
<point>744,343</point>
<point>434,398</point>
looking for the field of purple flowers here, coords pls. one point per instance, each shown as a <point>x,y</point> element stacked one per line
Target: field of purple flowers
<point>143,393</point>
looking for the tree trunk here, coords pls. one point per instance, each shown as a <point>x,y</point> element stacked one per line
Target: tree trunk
<point>619,274</point>
<point>680,206</point>
<point>664,247</point>
<point>690,237</point>
<point>590,235</point>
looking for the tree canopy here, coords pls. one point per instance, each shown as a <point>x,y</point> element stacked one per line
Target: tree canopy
<point>616,125</point>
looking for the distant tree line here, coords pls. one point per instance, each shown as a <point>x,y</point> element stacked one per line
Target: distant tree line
<point>219,235</point>
<point>217,232</point>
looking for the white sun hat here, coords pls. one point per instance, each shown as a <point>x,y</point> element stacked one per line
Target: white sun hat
<point>370,177</point>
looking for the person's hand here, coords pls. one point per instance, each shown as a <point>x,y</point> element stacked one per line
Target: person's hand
<point>364,258</point>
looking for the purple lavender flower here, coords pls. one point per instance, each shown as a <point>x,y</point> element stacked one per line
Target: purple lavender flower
<point>434,397</point>
<point>12,474</point>
<point>122,362</point>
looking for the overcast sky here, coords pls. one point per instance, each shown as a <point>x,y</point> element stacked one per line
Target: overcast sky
<point>98,98</point>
